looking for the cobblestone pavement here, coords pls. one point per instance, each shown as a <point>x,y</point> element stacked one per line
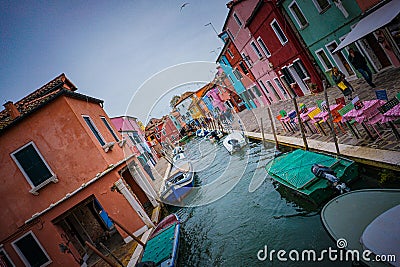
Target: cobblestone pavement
<point>388,79</point>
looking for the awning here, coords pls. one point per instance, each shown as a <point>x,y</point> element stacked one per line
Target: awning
<point>372,22</point>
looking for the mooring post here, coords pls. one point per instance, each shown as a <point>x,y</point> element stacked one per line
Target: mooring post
<point>129,233</point>
<point>303,135</point>
<point>273,127</point>
<point>330,119</point>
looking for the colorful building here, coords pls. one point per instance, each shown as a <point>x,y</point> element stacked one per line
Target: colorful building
<point>278,51</point>
<point>64,175</point>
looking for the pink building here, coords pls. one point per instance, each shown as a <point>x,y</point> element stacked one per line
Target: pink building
<point>213,96</point>
<point>256,59</point>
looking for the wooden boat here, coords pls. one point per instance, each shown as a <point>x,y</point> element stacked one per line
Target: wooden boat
<point>366,219</point>
<point>162,247</point>
<point>179,183</point>
<point>293,170</point>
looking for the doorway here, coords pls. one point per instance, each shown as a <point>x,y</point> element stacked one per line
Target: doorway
<point>340,60</point>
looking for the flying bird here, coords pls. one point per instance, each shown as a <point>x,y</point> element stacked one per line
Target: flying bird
<point>185,4</point>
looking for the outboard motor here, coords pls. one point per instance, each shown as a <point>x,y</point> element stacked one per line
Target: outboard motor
<point>234,143</point>
<point>215,135</point>
<point>327,173</point>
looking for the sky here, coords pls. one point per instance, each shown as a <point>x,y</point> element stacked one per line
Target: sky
<point>108,49</point>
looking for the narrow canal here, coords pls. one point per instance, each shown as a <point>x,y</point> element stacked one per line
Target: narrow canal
<point>223,227</point>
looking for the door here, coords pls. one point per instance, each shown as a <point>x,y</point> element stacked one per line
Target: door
<point>378,51</point>
<point>340,60</point>
<point>298,80</point>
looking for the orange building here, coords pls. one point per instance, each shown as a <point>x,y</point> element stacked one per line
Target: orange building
<point>64,174</point>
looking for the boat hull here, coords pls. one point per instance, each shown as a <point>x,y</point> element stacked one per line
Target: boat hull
<point>293,170</point>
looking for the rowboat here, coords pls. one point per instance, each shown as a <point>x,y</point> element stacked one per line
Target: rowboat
<point>294,170</point>
<point>179,183</point>
<point>366,220</point>
<point>162,247</point>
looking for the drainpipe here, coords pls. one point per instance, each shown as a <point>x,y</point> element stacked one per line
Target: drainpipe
<point>133,202</point>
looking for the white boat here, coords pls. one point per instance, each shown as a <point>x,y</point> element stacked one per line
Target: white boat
<point>177,150</point>
<point>178,157</point>
<point>234,142</point>
<point>201,132</point>
<point>179,183</point>
<point>366,220</point>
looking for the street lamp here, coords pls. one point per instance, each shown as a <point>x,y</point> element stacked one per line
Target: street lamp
<point>212,26</point>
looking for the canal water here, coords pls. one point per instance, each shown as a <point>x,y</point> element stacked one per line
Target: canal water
<point>237,210</point>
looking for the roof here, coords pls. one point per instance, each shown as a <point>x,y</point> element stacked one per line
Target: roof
<point>254,13</point>
<point>203,90</point>
<point>41,97</point>
<point>183,97</point>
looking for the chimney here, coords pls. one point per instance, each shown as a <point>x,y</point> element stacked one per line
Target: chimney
<point>12,110</point>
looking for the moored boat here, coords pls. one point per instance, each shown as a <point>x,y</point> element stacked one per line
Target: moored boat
<point>234,142</point>
<point>295,170</point>
<point>162,247</point>
<point>366,220</point>
<point>179,183</point>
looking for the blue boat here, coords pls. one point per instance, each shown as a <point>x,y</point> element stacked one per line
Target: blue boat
<point>179,183</point>
<point>162,247</point>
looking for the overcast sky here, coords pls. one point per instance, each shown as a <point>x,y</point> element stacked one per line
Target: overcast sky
<point>108,49</point>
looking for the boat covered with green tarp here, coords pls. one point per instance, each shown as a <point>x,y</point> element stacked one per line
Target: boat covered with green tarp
<point>293,170</point>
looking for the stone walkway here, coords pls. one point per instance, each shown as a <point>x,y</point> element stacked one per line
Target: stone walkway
<point>388,80</point>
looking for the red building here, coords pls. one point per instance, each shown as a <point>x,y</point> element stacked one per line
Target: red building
<point>286,55</point>
<point>63,174</point>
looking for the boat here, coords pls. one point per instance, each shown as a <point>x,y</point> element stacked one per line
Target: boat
<point>366,219</point>
<point>162,247</point>
<point>234,142</point>
<point>177,150</point>
<point>179,183</point>
<point>178,157</point>
<point>201,132</point>
<point>295,170</point>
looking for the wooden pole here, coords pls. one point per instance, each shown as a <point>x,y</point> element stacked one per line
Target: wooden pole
<point>262,133</point>
<point>303,135</point>
<point>95,250</point>
<point>112,255</point>
<point>126,231</point>
<point>273,127</point>
<point>330,119</point>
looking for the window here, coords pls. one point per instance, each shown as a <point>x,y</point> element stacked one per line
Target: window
<point>298,15</point>
<point>323,58</point>
<point>134,136</point>
<point>31,251</point>
<point>300,69</point>
<point>4,258</point>
<point>256,50</point>
<point>263,47</point>
<point>252,96</point>
<point>110,129</point>
<point>243,67</point>
<point>237,20</point>
<point>247,60</point>
<point>321,5</point>
<point>230,78</point>
<point>96,132</point>
<point>273,90</point>
<point>163,132</point>
<point>230,53</point>
<point>263,86</point>
<point>279,33</point>
<point>280,86</point>
<point>287,76</point>
<point>257,91</point>
<point>32,165</point>
<point>237,74</point>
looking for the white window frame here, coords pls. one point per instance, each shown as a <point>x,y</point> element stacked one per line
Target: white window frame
<point>318,7</point>
<point>110,128</point>
<point>7,256</point>
<point>276,33</point>
<point>264,48</point>
<point>94,125</point>
<point>229,53</point>
<point>247,60</point>
<point>237,19</point>
<point>263,86</point>
<point>322,61</point>
<point>256,50</point>
<point>280,86</point>
<point>230,78</point>
<point>295,15</point>
<point>34,189</point>
<point>21,255</point>
<point>302,67</point>
<point>237,74</point>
